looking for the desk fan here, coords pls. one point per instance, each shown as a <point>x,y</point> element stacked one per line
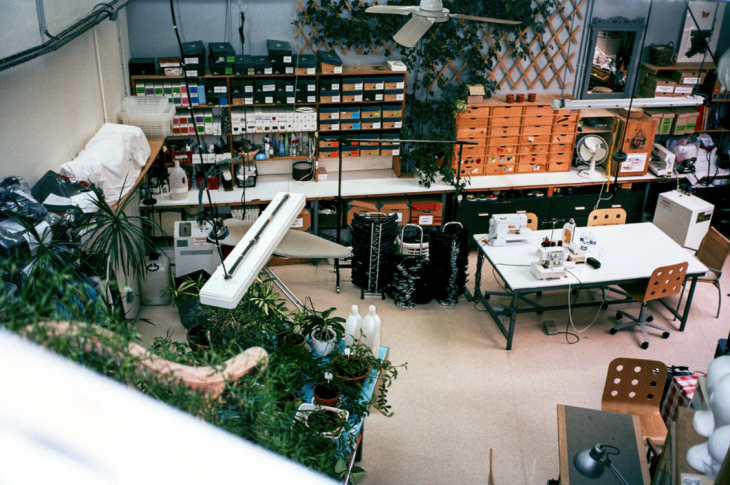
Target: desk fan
<point>592,150</point>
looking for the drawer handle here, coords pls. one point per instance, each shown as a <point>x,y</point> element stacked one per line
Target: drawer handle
<point>580,208</point>
<point>484,214</point>
<point>616,206</point>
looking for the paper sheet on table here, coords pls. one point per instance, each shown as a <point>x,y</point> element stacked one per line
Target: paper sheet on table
<point>54,199</point>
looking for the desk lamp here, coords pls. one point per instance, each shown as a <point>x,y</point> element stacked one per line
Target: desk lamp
<point>591,463</point>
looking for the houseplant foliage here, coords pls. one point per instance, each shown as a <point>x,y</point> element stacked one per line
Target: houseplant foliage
<point>431,98</point>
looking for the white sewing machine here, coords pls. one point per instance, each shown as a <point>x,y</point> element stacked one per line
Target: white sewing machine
<point>551,264</point>
<point>664,166</point>
<point>507,229</point>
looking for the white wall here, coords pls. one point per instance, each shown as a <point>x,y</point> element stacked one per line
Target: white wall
<point>51,106</point>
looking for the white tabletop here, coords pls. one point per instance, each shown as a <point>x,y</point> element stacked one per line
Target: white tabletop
<point>632,251</point>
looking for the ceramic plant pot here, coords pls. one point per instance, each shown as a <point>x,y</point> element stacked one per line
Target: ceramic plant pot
<point>324,396</point>
<point>324,347</point>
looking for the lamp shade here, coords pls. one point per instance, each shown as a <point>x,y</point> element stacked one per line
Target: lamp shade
<point>588,462</point>
<point>723,69</point>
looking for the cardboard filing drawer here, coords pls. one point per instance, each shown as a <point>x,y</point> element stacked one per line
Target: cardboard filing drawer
<point>328,113</point>
<point>505,130</point>
<point>394,82</point>
<point>395,205</point>
<point>537,130</point>
<point>565,207</point>
<point>391,123</point>
<point>426,210</point>
<point>558,167</point>
<point>503,140</point>
<point>531,167</point>
<point>506,121</point>
<point>330,84</point>
<point>352,84</point>
<point>329,125</point>
<point>392,111</point>
<point>500,111</point>
<point>351,96</point>
<point>371,124</point>
<point>464,133</point>
<point>327,141</point>
<point>534,139</point>
<point>539,110</point>
<point>349,112</point>
<point>499,169</point>
<point>360,206</point>
<point>351,124</point>
<point>371,112</point>
<point>563,138</point>
<point>372,95</point>
<point>374,84</point>
<point>538,120</point>
<point>533,149</point>
<point>329,152</point>
<point>393,95</point>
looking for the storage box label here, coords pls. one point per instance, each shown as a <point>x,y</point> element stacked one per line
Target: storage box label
<point>269,87</point>
<point>191,60</point>
<point>664,89</point>
<point>287,59</point>
<point>289,70</point>
<point>682,90</point>
<point>338,70</point>
<point>425,220</point>
<point>311,87</point>
<point>298,223</point>
<point>691,80</point>
<point>311,99</point>
<point>635,162</point>
<point>399,97</point>
<point>398,214</point>
<point>376,126</point>
<point>311,70</point>
<point>268,70</point>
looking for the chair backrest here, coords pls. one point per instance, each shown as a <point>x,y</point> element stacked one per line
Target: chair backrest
<point>714,249</point>
<point>531,221</point>
<point>607,217</point>
<point>666,281</point>
<point>633,385</point>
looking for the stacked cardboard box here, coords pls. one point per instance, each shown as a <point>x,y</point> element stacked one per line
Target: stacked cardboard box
<point>685,120</point>
<point>657,86</point>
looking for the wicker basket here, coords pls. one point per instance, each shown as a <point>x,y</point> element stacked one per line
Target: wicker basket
<point>661,55</point>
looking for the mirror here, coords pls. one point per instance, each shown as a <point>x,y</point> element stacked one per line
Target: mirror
<point>613,58</point>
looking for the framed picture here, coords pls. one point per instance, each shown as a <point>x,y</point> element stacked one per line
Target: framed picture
<point>693,45</point>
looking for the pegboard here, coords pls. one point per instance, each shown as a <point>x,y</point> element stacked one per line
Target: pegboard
<point>548,55</point>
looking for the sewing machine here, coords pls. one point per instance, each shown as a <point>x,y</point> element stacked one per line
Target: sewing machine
<point>507,229</point>
<point>551,263</point>
<point>662,161</point>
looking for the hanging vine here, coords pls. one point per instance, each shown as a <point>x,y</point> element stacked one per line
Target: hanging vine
<point>432,97</point>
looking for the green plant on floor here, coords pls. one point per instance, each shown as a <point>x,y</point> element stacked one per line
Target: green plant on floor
<point>188,289</point>
<point>432,96</point>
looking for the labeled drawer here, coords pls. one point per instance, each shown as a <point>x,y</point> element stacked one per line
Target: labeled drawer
<point>561,147</point>
<point>479,140</point>
<point>371,124</point>
<point>390,123</point>
<point>469,162</point>
<point>470,122</point>
<point>537,120</point>
<point>504,131</point>
<point>507,121</point>
<point>352,96</point>
<point>471,170</point>
<point>561,157</point>
<point>501,159</point>
<point>499,169</point>
<point>558,167</point>
<point>530,167</point>
<point>507,111</point>
<point>564,127</point>
<point>502,150</point>
<point>539,110</point>
<point>534,139</point>
<point>539,159</point>
<point>537,130</point>
<point>562,138</point>
<point>470,132</point>
<point>503,140</point>
<point>478,112</point>
<point>533,149</point>
<point>374,84</point>
<point>472,151</point>
<point>565,119</point>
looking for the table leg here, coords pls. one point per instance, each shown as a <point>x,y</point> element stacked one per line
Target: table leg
<point>478,275</point>
<point>688,303</point>
<point>358,453</point>
<point>512,319</point>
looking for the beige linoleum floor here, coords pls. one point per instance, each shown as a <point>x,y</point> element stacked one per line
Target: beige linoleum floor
<point>464,394</point>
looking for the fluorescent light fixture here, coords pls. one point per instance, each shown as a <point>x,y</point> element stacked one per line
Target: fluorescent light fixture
<point>624,103</point>
<point>252,253</point>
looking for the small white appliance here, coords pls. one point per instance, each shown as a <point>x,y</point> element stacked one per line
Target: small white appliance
<point>683,217</point>
<point>507,229</point>
<point>551,263</point>
<point>592,150</point>
<point>662,161</point>
<point>193,252</point>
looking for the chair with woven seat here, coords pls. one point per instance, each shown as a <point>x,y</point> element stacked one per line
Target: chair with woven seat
<point>607,217</point>
<point>634,386</point>
<point>664,281</point>
<point>713,252</point>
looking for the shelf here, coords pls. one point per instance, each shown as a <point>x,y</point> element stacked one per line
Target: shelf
<point>588,129</point>
<point>192,135</point>
<point>238,104</point>
<point>356,131</point>
<point>221,76</point>
<point>719,100</point>
<point>363,70</point>
<point>685,66</point>
<point>360,102</point>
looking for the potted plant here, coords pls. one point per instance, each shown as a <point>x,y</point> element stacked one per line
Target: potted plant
<point>327,421</point>
<point>327,392</point>
<point>324,330</point>
<point>351,368</point>
<point>198,337</point>
<point>185,297</point>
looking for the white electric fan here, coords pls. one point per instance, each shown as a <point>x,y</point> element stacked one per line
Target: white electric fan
<point>592,150</point>
<point>424,16</point>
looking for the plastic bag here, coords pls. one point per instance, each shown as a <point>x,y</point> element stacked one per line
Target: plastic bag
<point>16,199</point>
<point>58,193</point>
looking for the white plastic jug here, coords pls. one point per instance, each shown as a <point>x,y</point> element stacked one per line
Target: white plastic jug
<point>353,324</point>
<point>371,328</point>
<point>178,183</point>
<point>157,279</point>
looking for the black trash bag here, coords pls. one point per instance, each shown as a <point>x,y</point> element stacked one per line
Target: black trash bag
<point>14,245</point>
<point>449,254</point>
<point>16,200</point>
<point>52,183</point>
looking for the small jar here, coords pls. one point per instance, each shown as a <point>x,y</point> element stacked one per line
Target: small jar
<point>510,98</point>
<point>531,97</point>
<point>520,98</point>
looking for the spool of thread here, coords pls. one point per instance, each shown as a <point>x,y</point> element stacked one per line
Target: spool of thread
<point>520,98</point>
<point>510,98</point>
<point>531,97</point>
<point>302,171</point>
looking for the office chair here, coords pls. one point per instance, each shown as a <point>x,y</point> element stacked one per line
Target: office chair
<point>531,220</point>
<point>713,252</point>
<point>607,217</point>
<point>664,281</point>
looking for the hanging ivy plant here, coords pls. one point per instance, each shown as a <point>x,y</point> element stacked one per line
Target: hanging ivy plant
<point>432,97</point>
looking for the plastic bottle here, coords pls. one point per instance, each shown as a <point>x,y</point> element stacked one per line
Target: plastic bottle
<point>286,144</point>
<point>178,183</point>
<point>568,231</point>
<point>353,324</point>
<point>267,148</point>
<point>371,328</point>
<point>282,150</point>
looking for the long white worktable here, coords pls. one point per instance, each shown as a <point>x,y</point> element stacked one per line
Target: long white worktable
<point>632,253</point>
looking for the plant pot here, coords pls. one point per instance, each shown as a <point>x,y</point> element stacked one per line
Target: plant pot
<point>197,340</point>
<point>325,398</point>
<point>294,340</point>
<point>186,309</point>
<point>305,411</point>
<point>323,347</point>
<point>287,398</point>
<point>352,380</point>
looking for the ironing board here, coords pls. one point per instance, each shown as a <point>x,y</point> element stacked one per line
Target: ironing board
<point>296,244</point>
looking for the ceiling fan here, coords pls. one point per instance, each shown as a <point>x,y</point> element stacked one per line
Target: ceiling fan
<point>424,16</point>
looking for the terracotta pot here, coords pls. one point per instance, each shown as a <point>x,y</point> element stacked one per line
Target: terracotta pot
<point>510,98</point>
<point>290,397</point>
<point>195,335</point>
<point>531,97</point>
<point>294,340</point>
<point>332,401</point>
<point>351,380</point>
<point>520,98</point>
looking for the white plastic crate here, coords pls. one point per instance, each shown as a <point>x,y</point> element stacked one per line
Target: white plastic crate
<point>150,104</point>
<point>153,115</point>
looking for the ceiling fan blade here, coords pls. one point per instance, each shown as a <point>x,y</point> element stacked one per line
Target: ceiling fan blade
<point>389,9</point>
<point>413,30</point>
<point>484,19</point>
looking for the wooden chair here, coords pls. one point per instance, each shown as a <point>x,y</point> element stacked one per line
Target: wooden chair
<point>634,386</point>
<point>607,217</point>
<point>713,252</point>
<point>664,281</point>
<point>531,220</point>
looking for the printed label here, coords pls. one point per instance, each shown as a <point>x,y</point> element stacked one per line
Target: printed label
<point>376,126</point>
<point>290,89</point>
<point>290,100</point>
<point>335,87</point>
<point>398,124</point>
<point>378,97</point>
<point>358,86</point>
<point>691,80</point>
<point>335,99</point>
<point>268,70</point>
<point>400,85</point>
<point>269,99</point>
<point>192,73</point>
<point>396,152</point>
<point>380,86</point>
<point>191,60</point>
<point>287,59</point>
<point>298,223</point>
<point>399,214</point>
<point>230,59</point>
<point>311,70</point>
<point>425,220</point>
<point>311,87</point>
<point>335,116</point>
<point>358,97</point>
<point>269,87</point>
<point>335,127</point>
<point>682,90</point>
<point>634,163</point>
<point>251,71</point>
<point>289,70</point>
<point>399,97</point>
<point>338,70</point>
<point>664,89</point>
<point>311,99</point>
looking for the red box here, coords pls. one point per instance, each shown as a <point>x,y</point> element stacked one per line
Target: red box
<point>679,394</point>
<point>426,210</point>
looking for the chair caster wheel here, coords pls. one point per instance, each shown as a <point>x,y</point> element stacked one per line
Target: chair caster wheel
<point>619,316</point>
<point>650,318</point>
<point>665,335</point>
<point>574,292</point>
<point>539,293</point>
<point>337,289</point>
<point>612,331</point>
<point>486,297</point>
<point>645,345</point>
<point>604,306</point>
<point>539,313</point>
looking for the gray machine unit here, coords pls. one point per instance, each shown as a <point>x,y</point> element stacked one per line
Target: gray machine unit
<point>193,252</point>
<point>683,217</point>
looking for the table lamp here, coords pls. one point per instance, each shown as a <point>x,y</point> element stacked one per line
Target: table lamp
<point>592,462</point>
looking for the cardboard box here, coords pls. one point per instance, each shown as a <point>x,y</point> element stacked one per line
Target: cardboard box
<point>685,120</point>
<point>660,86</point>
<point>658,116</point>
<point>329,62</point>
<point>667,121</point>
<point>687,77</point>
<point>396,205</point>
<point>360,206</point>
<point>426,210</point>
<point>303,222</point>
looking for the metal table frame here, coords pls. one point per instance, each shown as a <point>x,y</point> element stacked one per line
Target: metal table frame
<point>521,295</point>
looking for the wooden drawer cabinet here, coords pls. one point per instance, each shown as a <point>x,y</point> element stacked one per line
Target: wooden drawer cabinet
<point>539,159</point>
<point>502,111</point>
<point>539,110</point>
<point>534,139</point>
<point>537,130</point>
<point>506,121</point>
<point>470,132</point>
<point>533,149</point>
<point>503,140</point>
<point>499,169</point>
<point>504,130</point>
<point>537,120</point>
<point>562,138</point>
<point>502,150</point>
<point>530,168</point>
